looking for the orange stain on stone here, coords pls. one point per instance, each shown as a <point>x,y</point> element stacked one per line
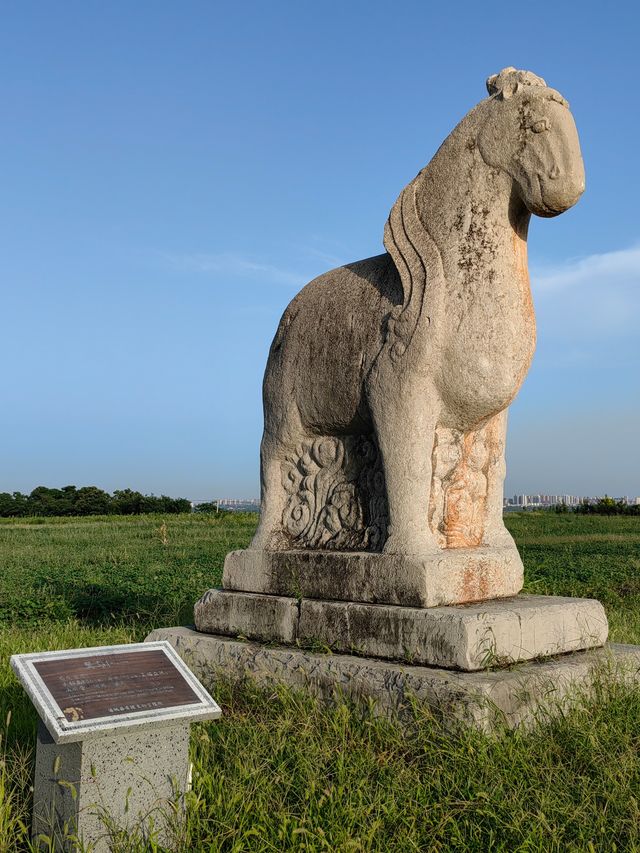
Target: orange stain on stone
<point>465,499</point>
<point>465,493</point>
<point>479,581</point>
<point>522,274</point>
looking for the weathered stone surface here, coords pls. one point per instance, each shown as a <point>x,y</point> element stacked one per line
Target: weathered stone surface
<point>388,381</point>
<point>466,638</point>
<point>513,696</point>
<point>262,617</point>
<point>450,576</point>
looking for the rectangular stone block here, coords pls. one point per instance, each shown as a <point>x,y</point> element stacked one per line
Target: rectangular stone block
<point>465,637</point>
<point>513,696</point>
<point>126,781</point>
<point>452,576</point>
<point>269,618</point>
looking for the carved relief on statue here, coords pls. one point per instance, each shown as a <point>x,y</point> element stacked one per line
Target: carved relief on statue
<point>463,465</point>
<point>336,495</point>
<point>458,522</point>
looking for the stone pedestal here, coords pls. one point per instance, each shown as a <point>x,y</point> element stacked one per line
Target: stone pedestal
<point>132,779</point>
<point>465,637</point>
<point>449,576</point>
<point>512,697</point>
<point>385,626</point>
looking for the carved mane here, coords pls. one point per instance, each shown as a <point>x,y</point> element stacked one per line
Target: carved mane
<point>404,238</point>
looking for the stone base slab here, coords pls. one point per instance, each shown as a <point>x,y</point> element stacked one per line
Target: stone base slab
<point>267,618</point>
<point>453,576</point>
<point>481,699</point>
<point>466,637</point>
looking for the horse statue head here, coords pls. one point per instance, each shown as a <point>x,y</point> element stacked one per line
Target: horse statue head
<point>514,154</point>
<point>529,133</point>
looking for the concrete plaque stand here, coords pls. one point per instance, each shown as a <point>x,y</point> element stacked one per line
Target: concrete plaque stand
<point>113,743</point>
<point>127,781</point>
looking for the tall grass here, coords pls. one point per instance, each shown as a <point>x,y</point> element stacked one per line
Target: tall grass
<point>281,772</point>
<point>143,570</point>
<point>15,767</point>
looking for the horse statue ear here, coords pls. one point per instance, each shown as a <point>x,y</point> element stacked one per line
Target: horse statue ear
<point>510,88</point>
<point>506,83</point>
<point>491,84</point>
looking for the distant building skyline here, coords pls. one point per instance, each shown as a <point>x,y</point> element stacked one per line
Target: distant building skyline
<point>515,501</point>
<point>542,500</point>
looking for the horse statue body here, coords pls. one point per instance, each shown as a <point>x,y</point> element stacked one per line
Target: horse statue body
<point>388,381</point>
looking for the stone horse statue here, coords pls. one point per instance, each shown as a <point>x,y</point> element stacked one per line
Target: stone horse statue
<point>388,381</point>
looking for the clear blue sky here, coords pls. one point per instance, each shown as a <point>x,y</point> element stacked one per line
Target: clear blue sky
<point>172,173</point>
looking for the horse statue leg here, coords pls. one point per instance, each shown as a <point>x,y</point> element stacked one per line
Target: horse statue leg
<point>282,433</point>
<point>495,533</point>
<point>404,421</point>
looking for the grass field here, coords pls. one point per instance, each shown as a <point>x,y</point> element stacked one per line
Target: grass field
<point>282,773</point>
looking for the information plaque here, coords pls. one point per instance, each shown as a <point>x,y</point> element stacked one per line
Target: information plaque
<point>84,692</point>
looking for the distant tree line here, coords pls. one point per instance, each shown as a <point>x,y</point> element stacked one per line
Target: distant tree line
<point>208,506</point>
<point>87,500</point>
<point>607,506</point>
<point>598,506</point>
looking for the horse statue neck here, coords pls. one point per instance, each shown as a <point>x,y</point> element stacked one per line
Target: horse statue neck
<point>458,235</point>
<point>471,210</point>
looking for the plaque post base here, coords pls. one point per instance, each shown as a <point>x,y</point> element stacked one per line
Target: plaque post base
<point>87,790</point>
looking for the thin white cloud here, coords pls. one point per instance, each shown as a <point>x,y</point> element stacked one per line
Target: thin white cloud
<point>330,260</point>
<point>236,266</point>
<point>620,266</point>
<point>579,301</point>
<point>591,298</point>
